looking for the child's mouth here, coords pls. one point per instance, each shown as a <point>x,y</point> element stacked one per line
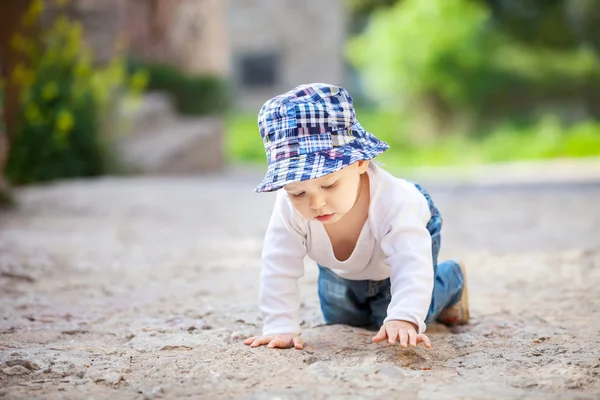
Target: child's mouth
<point>325,217</point>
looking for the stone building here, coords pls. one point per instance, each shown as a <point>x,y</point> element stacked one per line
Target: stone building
<point>263,47</point>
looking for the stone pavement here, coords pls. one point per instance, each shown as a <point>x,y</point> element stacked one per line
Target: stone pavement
<point>145,287</point>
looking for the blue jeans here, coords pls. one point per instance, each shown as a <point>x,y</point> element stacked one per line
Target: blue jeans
<point>365,302</point>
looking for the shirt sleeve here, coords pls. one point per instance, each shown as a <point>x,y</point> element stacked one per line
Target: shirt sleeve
<point>406,243</point>
<point>282,265</point>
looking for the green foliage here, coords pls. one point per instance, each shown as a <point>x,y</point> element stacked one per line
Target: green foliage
<point>64,102</point>
<point>417,47</point>
<point>452,60</point>
<point>243,143</point>
<point>364,7</point>
<point>193,94</point>
<point>547,138</point>
<point>540,22</point>
<point>448,53</point>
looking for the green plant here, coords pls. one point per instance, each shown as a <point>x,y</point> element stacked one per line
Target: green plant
<point>193,94</point>
<point>417,47</point>
<point>65,100</point>
<point>448,57</point>
<point>243,143</point>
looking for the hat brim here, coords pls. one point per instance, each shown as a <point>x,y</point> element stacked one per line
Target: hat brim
<point>318,164</point>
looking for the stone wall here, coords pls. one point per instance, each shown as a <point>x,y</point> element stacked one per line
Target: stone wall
<point>298,41</point>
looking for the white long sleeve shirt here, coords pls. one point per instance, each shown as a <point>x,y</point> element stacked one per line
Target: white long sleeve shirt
<point>394,243</point>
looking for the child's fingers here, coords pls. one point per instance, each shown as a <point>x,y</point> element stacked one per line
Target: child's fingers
<point>412,338</point>
<point>392,334</point>
<point>261,340</point>
<point>403,334</point>
<point>424,339</point>
<point>381,335</point>
<point>250,340</point>
<point>280,343</point>
<point>298,343</point>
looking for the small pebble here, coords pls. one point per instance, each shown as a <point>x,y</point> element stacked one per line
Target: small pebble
<point>16,370</point>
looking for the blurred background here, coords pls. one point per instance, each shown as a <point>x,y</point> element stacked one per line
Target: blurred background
<point>95,87</point>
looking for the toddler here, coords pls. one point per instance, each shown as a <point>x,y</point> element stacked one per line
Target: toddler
<point>374,237</point>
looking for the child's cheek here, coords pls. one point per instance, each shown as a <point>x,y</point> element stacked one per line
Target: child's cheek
<point>303,208</point>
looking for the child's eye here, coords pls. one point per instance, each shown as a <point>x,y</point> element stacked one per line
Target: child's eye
<point>297,195</point>
<point>329,187</point>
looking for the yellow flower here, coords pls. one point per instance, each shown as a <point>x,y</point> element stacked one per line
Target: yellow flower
<point>50,56</point>
<point>75,33</point>
<point>82,71</point>
<point>61,25</point>
<point>64,122</point>
<point>50,91</point>
<point>139,80</point>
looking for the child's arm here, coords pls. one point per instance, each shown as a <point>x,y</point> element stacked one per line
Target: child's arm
<point>406,242</point>
<point>283,264</point>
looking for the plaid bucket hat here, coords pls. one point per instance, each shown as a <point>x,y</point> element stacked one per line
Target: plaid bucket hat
<point>309,132</point>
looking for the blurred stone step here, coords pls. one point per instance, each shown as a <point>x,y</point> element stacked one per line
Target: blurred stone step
<point>183,146</point>
<point>156,109</point>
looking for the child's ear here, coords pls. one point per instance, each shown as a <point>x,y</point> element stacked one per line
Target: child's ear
<point>362,166</point>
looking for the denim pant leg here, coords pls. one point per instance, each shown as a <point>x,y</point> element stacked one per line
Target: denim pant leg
<point>447,290</point>
<point>343,301</point>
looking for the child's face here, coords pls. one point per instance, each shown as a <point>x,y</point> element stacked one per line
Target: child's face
<point>329,198</point>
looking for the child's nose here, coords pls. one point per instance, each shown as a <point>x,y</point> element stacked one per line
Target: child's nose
<point>317,202</point>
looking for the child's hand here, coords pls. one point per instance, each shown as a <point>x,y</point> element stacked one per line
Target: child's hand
<point>283,341</point>
<point>403,331</point>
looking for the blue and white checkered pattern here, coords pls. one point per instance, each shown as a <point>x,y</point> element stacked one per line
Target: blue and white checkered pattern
<point>312,131</point>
